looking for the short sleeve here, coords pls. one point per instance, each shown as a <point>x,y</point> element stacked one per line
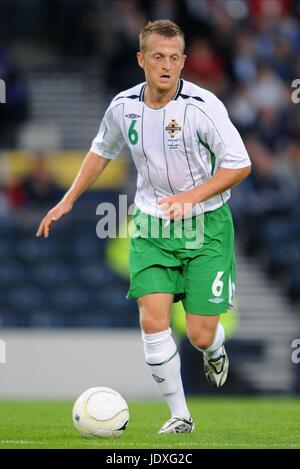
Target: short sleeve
<point>224,139</point>
<point>109,141</point>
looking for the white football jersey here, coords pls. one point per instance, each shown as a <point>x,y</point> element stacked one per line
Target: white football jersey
<point>174,148</point>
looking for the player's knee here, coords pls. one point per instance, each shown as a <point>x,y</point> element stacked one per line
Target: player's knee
<point>201,341</point>
<point>150,325</point>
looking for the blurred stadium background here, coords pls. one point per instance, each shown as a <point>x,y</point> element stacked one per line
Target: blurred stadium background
<point>63,313</point>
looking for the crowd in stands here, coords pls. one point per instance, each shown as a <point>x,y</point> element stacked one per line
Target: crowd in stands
<point>14,110</point>
<point>245,51</point>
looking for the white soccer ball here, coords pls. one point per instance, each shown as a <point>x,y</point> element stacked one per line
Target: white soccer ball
<point>100,412</point>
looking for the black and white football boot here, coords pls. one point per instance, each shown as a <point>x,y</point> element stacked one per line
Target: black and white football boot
<point>178,425</point>
<point>216,369</point>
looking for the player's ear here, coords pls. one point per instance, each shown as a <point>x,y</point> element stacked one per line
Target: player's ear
<point>183,61</point>
<point>140,59</point>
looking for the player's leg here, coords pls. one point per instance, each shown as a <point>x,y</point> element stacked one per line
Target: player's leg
<point>204,329</point>
<point>207,334</point>
<point>209,279</point>
<point>155,277</point>
<point>155,309</point>
<point>163,359</point>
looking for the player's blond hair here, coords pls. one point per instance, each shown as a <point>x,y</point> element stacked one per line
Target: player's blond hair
<point>165,28</point>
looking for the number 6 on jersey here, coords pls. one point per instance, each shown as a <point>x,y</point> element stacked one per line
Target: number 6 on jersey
<point>132,133</point>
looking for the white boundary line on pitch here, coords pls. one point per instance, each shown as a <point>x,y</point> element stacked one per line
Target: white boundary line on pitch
<point>183,444</point>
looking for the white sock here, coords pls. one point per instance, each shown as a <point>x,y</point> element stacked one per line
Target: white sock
<point>215,349</point>
<point>162,356</point>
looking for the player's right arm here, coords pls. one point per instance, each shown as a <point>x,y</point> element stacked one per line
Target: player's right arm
<point>105,147</point>
<point>92,167</point>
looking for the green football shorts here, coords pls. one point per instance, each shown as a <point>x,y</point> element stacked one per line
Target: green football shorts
<point>193,259</point>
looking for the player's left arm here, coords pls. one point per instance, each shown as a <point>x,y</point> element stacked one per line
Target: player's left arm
<point>223,180</point>
<point>176,206</point>
<point>233,164</point>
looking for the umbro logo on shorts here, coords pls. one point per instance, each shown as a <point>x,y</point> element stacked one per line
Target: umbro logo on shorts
<point>216,300</point>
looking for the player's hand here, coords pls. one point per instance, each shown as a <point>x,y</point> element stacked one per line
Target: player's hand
<point>53,215</point>
<point>175,207</point>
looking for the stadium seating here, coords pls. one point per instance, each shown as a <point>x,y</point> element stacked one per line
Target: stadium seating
<point>63,280</point>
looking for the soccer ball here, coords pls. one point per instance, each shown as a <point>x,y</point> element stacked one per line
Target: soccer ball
<point>100,412</point>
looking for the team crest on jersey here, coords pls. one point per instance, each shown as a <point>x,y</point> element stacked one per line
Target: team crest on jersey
<point>132,116</point>
<point>173,128</point>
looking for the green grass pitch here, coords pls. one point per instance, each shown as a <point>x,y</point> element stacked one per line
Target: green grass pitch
<point>220,423</point>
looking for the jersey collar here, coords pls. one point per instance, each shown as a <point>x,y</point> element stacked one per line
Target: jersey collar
<point>178,91</point>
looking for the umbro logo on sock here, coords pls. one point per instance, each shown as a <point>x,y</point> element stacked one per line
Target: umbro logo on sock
<point>157,378</point>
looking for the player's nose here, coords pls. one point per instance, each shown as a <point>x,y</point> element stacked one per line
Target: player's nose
<point>167,64</point>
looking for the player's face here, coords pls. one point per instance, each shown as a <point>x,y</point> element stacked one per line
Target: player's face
<point>162,61</point>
